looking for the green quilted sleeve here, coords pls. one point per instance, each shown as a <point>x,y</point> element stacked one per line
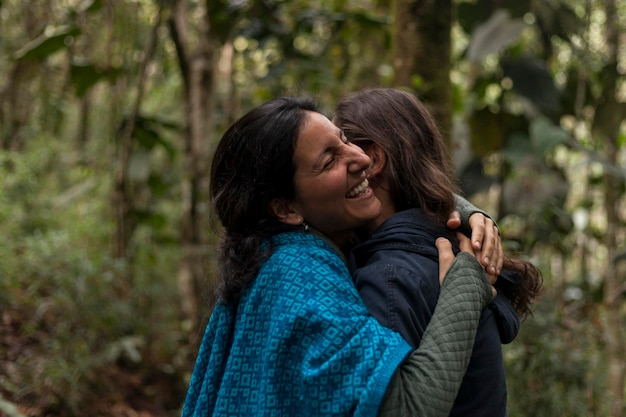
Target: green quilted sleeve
<point>427,382</point>
<point>466,209</point>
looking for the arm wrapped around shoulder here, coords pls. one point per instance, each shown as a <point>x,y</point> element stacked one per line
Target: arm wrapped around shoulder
<point>427,382</point>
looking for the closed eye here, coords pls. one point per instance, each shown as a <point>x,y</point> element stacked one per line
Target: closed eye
<point>333,151</point>
<point>329,163</point>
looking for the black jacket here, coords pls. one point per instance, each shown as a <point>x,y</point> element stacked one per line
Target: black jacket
<point>397,274</point>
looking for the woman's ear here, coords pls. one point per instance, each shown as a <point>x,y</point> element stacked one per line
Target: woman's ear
<point>284,212</point>
<point>379,159</point>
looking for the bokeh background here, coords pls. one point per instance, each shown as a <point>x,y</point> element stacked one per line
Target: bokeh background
<point>110,110</point>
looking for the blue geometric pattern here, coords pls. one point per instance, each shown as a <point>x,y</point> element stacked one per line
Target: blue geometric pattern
<point>299,342</point>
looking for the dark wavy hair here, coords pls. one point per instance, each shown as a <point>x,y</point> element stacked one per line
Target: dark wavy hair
<point>528,285</point>
<point>252,165</point>
<point>418,169</point>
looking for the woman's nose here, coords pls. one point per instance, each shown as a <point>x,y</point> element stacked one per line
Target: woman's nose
<point>359,161</point>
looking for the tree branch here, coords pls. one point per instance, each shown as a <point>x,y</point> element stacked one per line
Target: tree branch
<point>177,27</point>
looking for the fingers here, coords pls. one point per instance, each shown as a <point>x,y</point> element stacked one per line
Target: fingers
<point>497,257</point>
<point>454,221</point>
<point>477,224</point>
<point>492,254</point>
<point>465,244</point>
<point>446,257</point>
<point>486,243</point>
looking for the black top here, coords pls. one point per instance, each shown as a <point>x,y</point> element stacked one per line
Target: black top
<point>396,273</point>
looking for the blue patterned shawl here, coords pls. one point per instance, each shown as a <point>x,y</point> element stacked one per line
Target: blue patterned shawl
<point>299,342</point>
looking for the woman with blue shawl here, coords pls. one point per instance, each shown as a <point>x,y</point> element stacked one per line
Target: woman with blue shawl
<point>290,335</point>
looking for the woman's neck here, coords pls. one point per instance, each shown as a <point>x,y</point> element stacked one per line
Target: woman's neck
<point>388,210</point>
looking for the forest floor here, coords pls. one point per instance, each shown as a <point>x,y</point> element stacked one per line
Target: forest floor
<point>116,391</point>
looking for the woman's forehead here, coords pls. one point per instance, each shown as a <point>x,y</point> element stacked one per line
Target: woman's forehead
<point>318,123</point>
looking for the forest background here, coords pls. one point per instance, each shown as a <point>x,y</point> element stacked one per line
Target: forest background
<point>109,111</point>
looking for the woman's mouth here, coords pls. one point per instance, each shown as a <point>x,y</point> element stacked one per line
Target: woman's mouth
<point>358,190</point>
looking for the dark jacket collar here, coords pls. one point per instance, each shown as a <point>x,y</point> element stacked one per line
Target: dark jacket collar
<point>410,230</point>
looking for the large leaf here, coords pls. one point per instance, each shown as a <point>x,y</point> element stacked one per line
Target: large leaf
<point>148,135</point>
<point>90,6</point>
<point>494,35</point>
<point>46,44</point>
<point>470,15</point>
<point>517,149</point>
<point>545,135</point>
<point>84,76</point>
<point>558,18</point>
<point>531,185</point>
<point>532,79</point>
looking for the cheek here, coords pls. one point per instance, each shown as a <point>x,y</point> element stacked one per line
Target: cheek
<point>311,196</point>
<point>325,193</point>
<point>332,188</point>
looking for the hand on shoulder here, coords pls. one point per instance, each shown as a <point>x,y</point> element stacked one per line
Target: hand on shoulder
<point>447,257</point>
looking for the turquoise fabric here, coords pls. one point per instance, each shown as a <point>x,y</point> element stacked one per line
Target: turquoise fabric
<point>299,342</point>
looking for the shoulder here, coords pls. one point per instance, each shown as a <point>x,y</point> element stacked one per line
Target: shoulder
<point>408,231</point>
<point>306,274</point>
<point>399,268</point>
<point>305,252</point>
<point>305,260</point>
<point>409,257</point>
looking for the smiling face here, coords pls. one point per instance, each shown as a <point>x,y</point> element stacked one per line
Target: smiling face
<point>332,192</point>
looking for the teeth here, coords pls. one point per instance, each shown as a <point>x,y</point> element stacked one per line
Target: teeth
<point>359,189</point>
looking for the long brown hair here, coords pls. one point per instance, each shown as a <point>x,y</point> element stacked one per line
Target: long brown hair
<point>528,288</point>
<point>418,168</point>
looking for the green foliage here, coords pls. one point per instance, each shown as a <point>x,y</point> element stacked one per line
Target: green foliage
<point>472,14</point>
<point>553,367</point>
<point>61,294</point>
<point>530,86</point>
<point>48,43</point>
<point>309,48</point>
<point>545,136</point>
<point>499,32</point>
<point>84,76</point>
<point>532,80</point>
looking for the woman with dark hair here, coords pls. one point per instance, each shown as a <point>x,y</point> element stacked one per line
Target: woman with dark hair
<point>290,335</point>
<point>395,267</point>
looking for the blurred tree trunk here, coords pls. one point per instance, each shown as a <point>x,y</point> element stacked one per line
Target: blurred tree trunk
<point>609,118</point>
<point>422,54</point>
<point>198,67</point>
<point>122,200</point>
<point>16,105</point>
<point>16,95</point>
<point>83,133</point>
